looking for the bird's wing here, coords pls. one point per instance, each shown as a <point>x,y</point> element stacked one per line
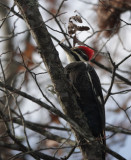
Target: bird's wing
<point>97,91</point>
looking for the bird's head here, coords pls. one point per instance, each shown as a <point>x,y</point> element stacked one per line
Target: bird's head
<point>80,53</point>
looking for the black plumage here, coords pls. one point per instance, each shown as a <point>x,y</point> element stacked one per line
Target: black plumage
<point>89,96</point>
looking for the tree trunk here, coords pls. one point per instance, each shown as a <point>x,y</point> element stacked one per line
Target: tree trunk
<point>29,10</point>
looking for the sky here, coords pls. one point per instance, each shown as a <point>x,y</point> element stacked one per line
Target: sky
<point>88,12</point>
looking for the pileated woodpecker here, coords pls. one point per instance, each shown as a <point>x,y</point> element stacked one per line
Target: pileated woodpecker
<point>87,85</point>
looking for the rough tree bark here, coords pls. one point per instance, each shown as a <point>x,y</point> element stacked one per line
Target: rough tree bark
<point>29,10</point>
